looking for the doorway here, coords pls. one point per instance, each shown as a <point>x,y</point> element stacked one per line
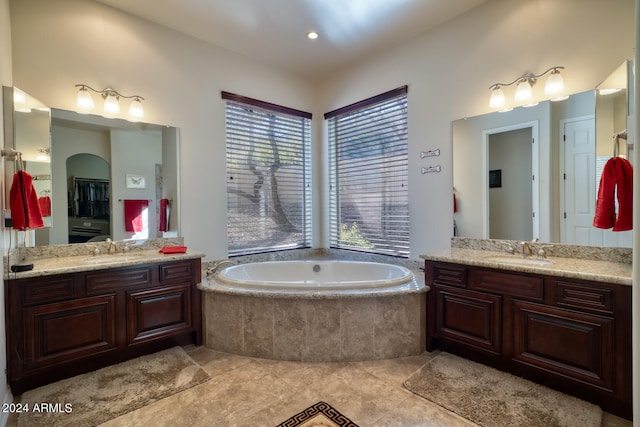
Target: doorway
<point>512,194</point>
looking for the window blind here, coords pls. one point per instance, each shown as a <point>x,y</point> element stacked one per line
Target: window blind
<point>268,176</point>
<point>368,154</point>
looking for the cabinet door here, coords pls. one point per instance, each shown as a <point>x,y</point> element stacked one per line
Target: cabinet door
<point>64,331</point>
<point>159,312</point>
<point>469,317</point>
<point>573,344</point>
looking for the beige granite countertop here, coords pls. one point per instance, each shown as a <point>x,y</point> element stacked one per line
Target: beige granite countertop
<point>596,270</point>
<point>77,263</point>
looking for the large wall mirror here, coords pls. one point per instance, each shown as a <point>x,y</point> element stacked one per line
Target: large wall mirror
<point>108,178</point>
<point>534,172</point>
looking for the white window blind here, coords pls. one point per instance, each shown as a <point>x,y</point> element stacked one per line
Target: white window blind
<point>268,176</point>
<point>368,154</point>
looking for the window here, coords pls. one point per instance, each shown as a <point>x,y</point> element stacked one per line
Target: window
<point>368,154</point>
<point>268,176</point>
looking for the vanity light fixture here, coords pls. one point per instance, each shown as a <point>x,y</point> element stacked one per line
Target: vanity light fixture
<point>44,155</point>
<point>111,101</point>
<point>553,89</point>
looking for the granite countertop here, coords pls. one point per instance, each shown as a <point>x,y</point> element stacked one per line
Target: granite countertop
<point>77,263</point>
<point>595,270</point>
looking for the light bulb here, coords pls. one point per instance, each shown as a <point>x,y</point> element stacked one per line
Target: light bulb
<point>523,92</point>
<point>111,104</point>
<point>135,109</point>
<point>85,100</point>
<point>554,87</point>
<point>497,99</point>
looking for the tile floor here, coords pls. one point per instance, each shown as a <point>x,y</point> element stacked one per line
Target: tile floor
<point>253,392</point>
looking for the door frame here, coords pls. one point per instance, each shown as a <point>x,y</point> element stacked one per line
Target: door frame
<point>535,171</point>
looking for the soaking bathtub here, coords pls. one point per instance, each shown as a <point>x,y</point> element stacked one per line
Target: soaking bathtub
<point>317,276</point>
<point>311,310</point>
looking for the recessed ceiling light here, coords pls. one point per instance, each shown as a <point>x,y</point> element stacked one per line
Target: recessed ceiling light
<point>312,35</point>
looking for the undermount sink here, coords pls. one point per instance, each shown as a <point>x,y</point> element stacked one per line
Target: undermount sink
<point>518,260</point>
<point>107,259</point>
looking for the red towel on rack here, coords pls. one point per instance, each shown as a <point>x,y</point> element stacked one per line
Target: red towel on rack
<point>165,209</point>
<point>133,210</point>
<point>23,201</point>
<point>624,193</point>
<point>616,180</point>
<point>45,205</point>
<point>605,216</point>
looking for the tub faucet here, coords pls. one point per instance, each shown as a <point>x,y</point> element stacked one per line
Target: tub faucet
<point>216,266</point>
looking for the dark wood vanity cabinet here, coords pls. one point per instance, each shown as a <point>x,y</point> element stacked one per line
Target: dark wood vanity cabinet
<point>62,325</point>
<point>571,335</point>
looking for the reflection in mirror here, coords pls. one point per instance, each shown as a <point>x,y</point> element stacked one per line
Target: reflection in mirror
<point>88,178</point>
<point>558,174</point>
<point>92,158</point>
<point>611,113</point>
<point>140,162</point>
<point>31,122</point>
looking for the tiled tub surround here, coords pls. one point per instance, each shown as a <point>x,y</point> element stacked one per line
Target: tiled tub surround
<point>612,265</point>
<point>328,326</point>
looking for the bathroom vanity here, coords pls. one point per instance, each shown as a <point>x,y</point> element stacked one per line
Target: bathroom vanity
<point>561,324</point>
<point>89,313</point>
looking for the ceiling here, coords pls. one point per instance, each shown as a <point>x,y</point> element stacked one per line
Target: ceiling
<point>274,31</point>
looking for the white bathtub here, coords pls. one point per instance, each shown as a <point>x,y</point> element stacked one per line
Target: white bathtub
<point>309,275</point>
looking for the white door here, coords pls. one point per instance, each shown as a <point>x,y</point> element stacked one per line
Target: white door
<point>579,182</point>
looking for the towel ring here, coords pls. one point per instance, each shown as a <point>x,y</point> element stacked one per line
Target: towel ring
<point>616,142</point>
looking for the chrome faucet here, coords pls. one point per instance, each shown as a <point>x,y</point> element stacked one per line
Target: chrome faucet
<point>216,266</point>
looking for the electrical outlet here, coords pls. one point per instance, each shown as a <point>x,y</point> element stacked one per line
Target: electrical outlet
<point>8,223</point>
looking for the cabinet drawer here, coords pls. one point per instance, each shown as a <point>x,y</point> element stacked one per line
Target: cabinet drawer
<point>450,275</point>
<point>581,295</point>
<point>64,331</point>
<point>157,313</point>
<point>48,289</point>
<point>575,345</point>
<point>515,285</point>
<point>177,272</point>
<point>470,318</point>
<point>112,280</point>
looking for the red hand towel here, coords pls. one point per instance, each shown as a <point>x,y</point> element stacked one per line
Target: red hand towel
<point>133,210</point>
<point>173,249</point>
<point>45,205</point>
<point>23,201</point>
<point>624,193</point>
<point>164,215</point>
<point>605,216</point>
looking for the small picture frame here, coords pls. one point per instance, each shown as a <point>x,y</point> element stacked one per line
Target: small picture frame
<point>136,181</point>
<point>495,178</point>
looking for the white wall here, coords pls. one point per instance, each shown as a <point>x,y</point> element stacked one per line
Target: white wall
<point>60,43</point>
<point>449,71</point>
<point>139,158</point>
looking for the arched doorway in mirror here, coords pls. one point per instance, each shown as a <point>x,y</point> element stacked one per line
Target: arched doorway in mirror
<point>88,198</point>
